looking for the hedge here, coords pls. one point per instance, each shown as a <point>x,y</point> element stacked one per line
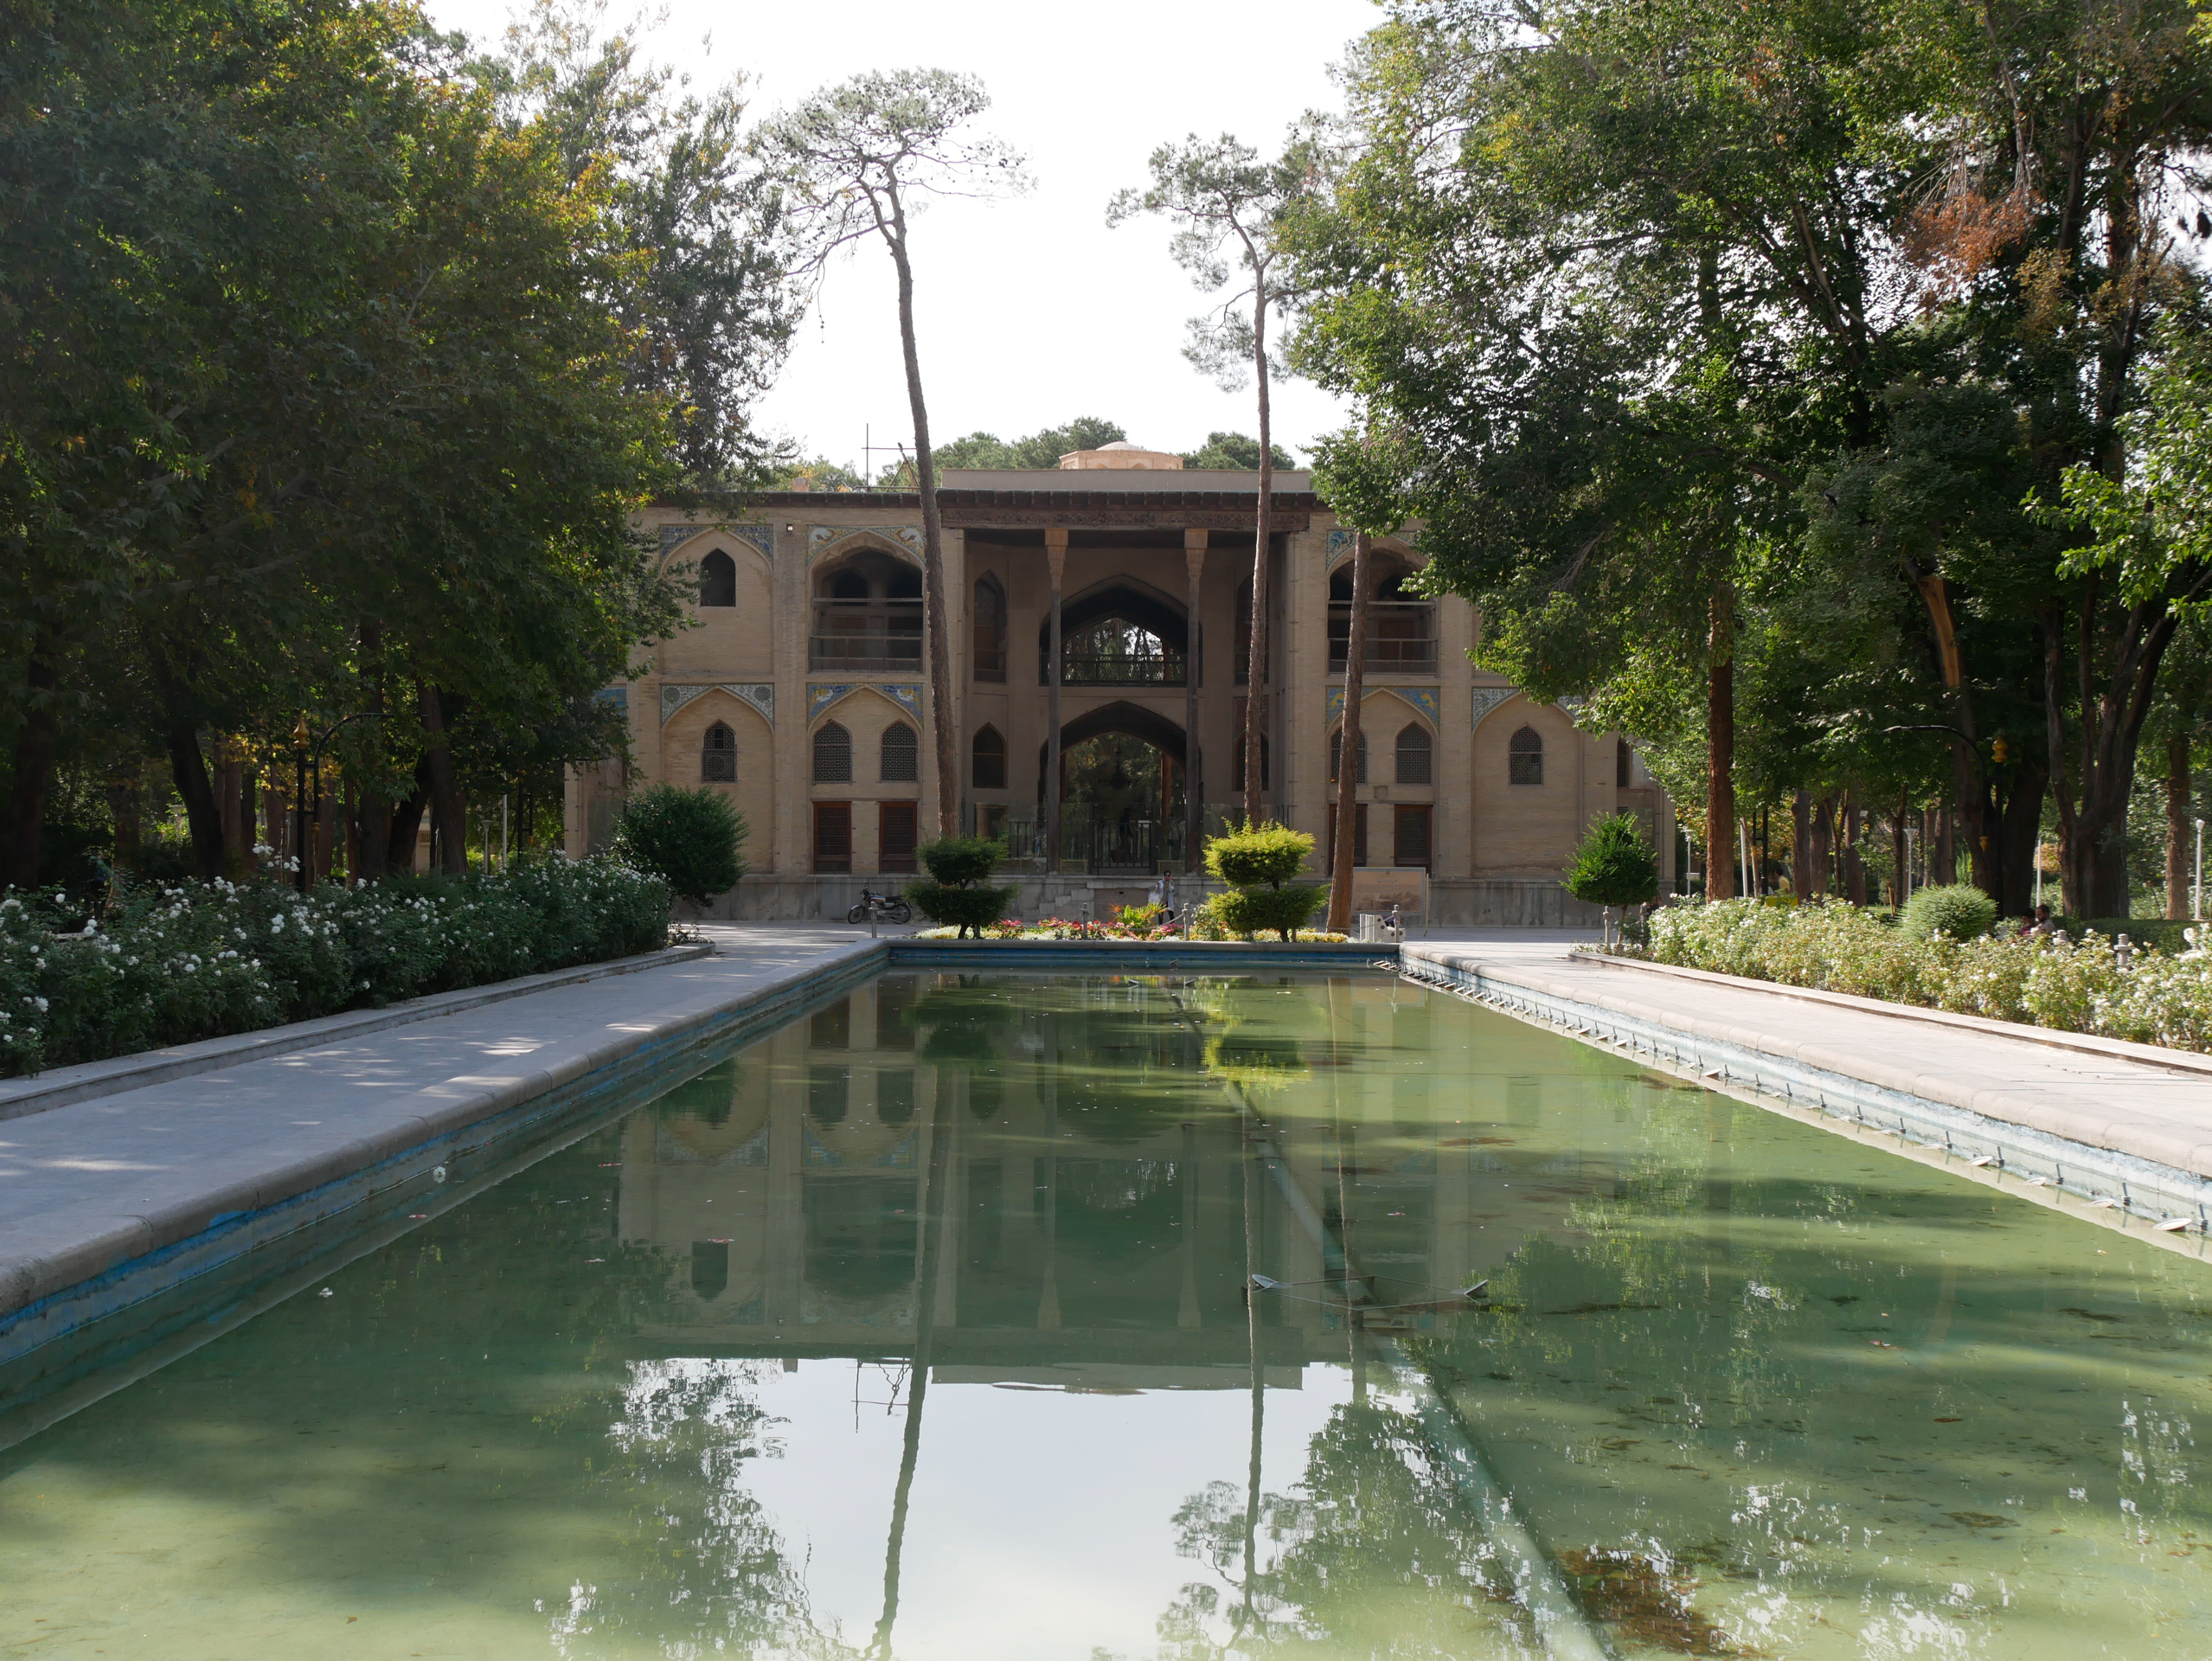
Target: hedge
<point>2152,996</point>
<point>171,964</point>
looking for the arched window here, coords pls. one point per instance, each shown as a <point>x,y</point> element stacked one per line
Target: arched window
<point>1337,751</point>
<point>1524,757</point>
<point>1236,766</point>
<point>718,580</point>
<point>1622,774</point>
<point>718,755</point>
<point>989,624</point>
<point>987,759</point>
<point>833,755</point>
<point>902,755</point>
<point>1416,756</point>
<point>848,585</point>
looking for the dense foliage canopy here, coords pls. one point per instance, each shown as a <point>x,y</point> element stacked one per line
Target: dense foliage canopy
<point>341,363</point>
<point>1760,367</point>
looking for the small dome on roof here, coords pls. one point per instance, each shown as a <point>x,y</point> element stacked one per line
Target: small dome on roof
<point>1121,454</point>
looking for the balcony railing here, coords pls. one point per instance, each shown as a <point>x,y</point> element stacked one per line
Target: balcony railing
<point>1399,637</point>
<point>1119,668</point>
<point>866,635</point>
<point>1094,842</point>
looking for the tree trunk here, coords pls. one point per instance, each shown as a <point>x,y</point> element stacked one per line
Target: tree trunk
<point>1900,856</point>
<point>932,548</point>
<point>2019,834</point>
<point>1256,670</point>
<point>1347,740</point>
<point>1854,871</point>
<point>406,824</point>
<point>122,807</point>
<point>1720,852</point>
<point>2093,803</point>
<point>32,774</point>
<point>1056,559</point>
<point>372,816</point>
<point>189,768</point>
<point>1194,770</point>
<point>2178,798</point>
<point>1820,842</point>
<point>230,799</point>
<point>447,823</point>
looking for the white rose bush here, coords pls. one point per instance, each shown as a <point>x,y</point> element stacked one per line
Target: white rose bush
<point>2148,996</point>
<point>168,964</point>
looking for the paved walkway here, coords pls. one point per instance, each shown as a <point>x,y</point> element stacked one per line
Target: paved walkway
<point>2132,1098</point>
<point>87,1185</point>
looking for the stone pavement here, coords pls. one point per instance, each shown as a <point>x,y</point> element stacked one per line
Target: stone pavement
<point>2134,1099</point>
<point>87,1186</point>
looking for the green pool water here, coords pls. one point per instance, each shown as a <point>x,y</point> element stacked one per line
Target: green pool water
<point>917,1329</point>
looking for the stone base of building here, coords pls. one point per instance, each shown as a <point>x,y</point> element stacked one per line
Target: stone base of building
<point>1487,901</point>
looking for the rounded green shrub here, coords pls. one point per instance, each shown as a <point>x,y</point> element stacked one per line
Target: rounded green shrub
<point>958,897</point>
<point>1957,910</point>
<point>960,861</point>
<point>689,838</point>
<point>1251,854</point>
<point>969,909</point>
<point>1614,866</point>
<point>1247,911</point>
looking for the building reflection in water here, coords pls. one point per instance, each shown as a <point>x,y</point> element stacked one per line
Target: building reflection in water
<point>1089,1212</point>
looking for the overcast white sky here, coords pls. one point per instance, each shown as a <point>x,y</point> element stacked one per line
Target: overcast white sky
<point>1031,312</point>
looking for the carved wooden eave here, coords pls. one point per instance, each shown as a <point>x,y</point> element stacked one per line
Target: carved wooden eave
<point>1291,510</point>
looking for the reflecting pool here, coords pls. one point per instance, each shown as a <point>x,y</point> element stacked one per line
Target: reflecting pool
<point>919,1329</point>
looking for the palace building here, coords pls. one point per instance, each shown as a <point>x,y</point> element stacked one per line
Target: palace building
<point>803,692</point>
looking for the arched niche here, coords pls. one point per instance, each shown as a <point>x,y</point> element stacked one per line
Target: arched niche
<point>865,610</point>
<point>1102,632</point>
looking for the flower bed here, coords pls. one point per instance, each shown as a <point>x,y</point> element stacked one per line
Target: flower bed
<point>2148,996</point>
<point>174,963</point>
<point>1066,928</point>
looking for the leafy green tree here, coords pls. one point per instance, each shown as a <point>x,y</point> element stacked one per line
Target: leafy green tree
<point>1613,865</point>
<point>303,430</point>
<point>687,198</point>
<point>1362,476</point>
<point>1229,208</point>
<point>692,839</point>
<point>1235,453</point>
<point>857,158</point>
<point>1042,449</point>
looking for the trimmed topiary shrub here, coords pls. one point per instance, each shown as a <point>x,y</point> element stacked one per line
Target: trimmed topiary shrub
<point>1247,911</point>
<point>689,838</point>
<point>1957,910</point>
<point>1253,854</point>
<point>1258,860</point>
<point>958,894</point>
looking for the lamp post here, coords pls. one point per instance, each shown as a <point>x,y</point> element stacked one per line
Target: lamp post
<point>2196,894</point>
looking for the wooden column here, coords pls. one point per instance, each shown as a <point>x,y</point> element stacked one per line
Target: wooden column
<point>1194,563</point>
<point>1055,556</point>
